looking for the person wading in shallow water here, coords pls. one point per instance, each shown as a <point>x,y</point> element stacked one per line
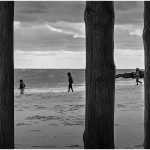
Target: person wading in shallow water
<point>22,87</point>
<point>138,76</point>
<point>70,82</point>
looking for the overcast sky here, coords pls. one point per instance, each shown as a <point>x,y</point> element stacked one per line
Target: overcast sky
<point>52,34</point>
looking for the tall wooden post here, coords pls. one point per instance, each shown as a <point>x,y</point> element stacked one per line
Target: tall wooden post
<point>146,40</point>
<point>6,75</point>
<point>100,75</point>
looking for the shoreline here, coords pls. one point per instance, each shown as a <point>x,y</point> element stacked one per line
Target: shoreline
<point>56,120</point>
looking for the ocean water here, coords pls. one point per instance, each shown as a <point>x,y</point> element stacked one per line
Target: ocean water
<point>56,80</point>
<point>56,120</point>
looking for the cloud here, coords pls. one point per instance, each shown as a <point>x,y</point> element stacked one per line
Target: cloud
<point>50,36</point>
<point>49,59</point>
<point>136,31</point>
<point>50,11</point>
<point>70,36</point>
<point>126,12</point>
<point>16,25</point>
<point>54,30</point>
<point>65,23</point>
<point>75,29</point>
<point>129,59</point>
<point>44,53</point>
<point>70,59</point>
<point>128,37</point>
<point>75,35</point>
<point>129,12</point>
<point>126,5</point>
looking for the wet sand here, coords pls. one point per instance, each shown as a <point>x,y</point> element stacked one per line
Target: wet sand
<point>56,120</point>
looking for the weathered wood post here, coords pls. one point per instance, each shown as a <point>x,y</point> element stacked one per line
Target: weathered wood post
<point>146,41</point>
<point>100,75</point>
<point>6,75</point>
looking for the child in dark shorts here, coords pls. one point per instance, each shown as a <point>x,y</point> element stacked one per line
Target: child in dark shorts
<point>22,87</point>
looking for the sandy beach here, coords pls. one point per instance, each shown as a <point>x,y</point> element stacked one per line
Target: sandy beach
<point>56,120</point>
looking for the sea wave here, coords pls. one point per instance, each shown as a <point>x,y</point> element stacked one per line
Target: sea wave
<point>77,87</point>
<point>51,89</point>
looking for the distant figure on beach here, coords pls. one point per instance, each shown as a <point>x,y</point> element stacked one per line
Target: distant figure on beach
<point>138,76</point>
<point>70,82</point>
<point>22,87</point>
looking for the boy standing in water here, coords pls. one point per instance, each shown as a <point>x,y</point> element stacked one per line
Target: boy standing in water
<point>70,82</point>
<point>138,76</point>
<point>22,87</point>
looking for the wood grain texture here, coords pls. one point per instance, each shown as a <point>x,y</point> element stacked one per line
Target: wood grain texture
<point>146,41</point>
<point>100,75</point>
<point>6,75</point>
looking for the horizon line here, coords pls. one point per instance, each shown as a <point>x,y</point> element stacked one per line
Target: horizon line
<point>71,68</point>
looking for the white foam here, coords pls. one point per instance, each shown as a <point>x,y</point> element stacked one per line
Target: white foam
<point>52,90</point>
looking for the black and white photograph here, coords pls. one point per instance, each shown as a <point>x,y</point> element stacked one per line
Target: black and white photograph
<point>75,74</point>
